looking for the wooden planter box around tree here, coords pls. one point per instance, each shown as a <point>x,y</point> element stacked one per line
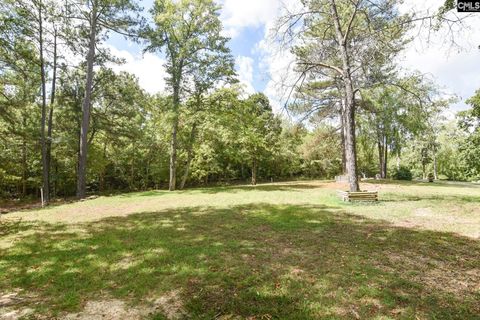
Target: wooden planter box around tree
<point>358,196</point>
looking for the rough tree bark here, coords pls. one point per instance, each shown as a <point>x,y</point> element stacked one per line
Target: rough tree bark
<point>342,135</point>
<point>398,160</point>
<point>382,154</point>
<point>24,155</point>
<point>82,158</point>
<point>45,171</point>
<point>350,143</point>
<point>132,169</point>
<point>177,81</point>
<point>173,142</point>
<point>254,171</point>
<point>380,158</point>
<point>385,157</point>
<point>52,102</point>
<point>189,155</point>
<point>103,172</point>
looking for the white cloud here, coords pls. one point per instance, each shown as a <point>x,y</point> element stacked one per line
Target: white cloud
<point>277,62</point>
<point>148,68</point>
<point>237,15</point>
<point>456,73</point>
<point>245,72</point>
<point>453,67</point>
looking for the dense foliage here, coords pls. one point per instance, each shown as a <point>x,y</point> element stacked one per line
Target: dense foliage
<point>205,129</point>
<point>402,173</point>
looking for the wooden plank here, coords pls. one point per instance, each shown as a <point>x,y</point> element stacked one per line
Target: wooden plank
<point>362,197</point>
<point>372,196</point>
<point>358,196</point>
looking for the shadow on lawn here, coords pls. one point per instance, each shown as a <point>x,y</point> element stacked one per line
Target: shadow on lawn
<point>263,261</point>
<point>439,183</point>
<point>431,197</point>
<point>227,189</point>
<point>262,187</point>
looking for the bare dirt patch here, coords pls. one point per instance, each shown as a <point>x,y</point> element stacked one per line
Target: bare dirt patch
<point>108,310</point>
<point>11,305</point>
<point>170,305</point>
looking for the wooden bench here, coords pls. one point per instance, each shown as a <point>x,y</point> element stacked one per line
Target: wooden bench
<point>358,196</point>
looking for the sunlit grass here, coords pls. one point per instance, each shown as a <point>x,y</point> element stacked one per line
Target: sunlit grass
<point>281,251</point>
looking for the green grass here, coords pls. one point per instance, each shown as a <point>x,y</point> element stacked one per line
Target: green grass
<point>281,251</point>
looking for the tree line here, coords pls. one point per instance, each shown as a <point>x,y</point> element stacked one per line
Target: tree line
<point>71,125</point>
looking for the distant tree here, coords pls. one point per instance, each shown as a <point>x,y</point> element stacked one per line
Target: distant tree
<point>391,115</point>
<point>258,132</point>
<point>97,19</point>
<point>19,85</point>
<point>470,148</point>
<point>217,68</point>
<point>321,152</point>
<point>189,33</point>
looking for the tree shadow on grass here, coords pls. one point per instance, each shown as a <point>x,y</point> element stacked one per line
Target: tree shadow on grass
<point>432,197</point>
<point>264,261</point>
<point>456,184</point>
<point>229,189</point>
<point>261,187</point>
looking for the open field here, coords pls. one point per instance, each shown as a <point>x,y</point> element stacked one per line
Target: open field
<point>276,251</point>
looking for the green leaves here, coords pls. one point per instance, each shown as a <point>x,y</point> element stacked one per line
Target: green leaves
<point>188,32</point>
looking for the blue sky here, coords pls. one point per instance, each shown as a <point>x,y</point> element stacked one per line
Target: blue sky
<point>243,44</point>
<point>260,68</point>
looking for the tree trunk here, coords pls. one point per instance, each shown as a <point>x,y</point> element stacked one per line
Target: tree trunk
<point>385,157</point>
<point>189,156</point>
<point>82,159</point>
<point>146,180</point>
<point>52,102</point>
<point>45,168</point>
<point>342,135</point>
<point>435,166</point>
<point>132,169</point>
<point>382,152</point>
<point>351,154</point>
<point>24,157</point>
<point>350,143</point>
<point>380,158</point>
<point>102,174</point>
<point>173,155</point>
<point>254,172</point>
<point>173,142</point>
<point>398,159</point>
<point>55,181</point>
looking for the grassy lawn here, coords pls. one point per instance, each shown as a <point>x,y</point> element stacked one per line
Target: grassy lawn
<point>276,251</point>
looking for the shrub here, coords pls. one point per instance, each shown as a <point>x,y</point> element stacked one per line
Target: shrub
<point>430,177</point>
<point>403,173</point>
<point>442,177</point>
